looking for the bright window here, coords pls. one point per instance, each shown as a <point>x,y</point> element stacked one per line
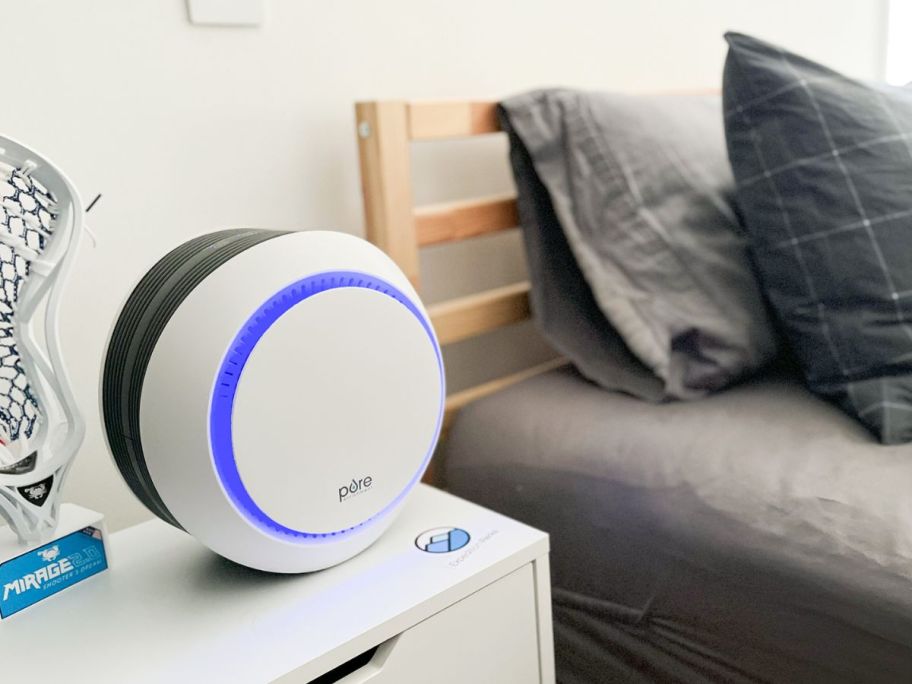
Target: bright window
<point>899,42</point>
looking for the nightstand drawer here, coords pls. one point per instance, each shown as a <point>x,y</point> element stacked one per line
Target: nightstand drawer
<point>490,636</point>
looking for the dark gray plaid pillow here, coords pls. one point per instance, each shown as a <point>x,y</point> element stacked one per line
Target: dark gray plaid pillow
<point>823,165</point>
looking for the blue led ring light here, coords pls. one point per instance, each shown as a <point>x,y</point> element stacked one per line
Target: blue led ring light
<point>232,366</point>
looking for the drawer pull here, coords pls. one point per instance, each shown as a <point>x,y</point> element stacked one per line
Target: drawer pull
<point>346,668</point>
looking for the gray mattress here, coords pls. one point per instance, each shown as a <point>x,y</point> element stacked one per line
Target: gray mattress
<point>758,534</point>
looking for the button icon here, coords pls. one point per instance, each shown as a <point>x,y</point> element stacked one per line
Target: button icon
<point>442,540</point>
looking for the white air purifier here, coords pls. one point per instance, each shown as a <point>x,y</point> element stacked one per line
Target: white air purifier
<point>276,395</point>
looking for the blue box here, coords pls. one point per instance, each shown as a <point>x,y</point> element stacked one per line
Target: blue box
<point>29,575</point>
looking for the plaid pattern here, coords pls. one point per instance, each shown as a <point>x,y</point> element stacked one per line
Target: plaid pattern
<point>823,165</point>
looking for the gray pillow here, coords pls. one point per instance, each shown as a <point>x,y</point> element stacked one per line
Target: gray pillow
<point>565,310</point>
<point>824,170</point>
<point>641,190</point>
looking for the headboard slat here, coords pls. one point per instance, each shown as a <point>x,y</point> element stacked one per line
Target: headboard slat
<point>461,220</point>
<point>386,182</point>
<point>465,317</point>
<point>435,120</point>
<point>385,131</point>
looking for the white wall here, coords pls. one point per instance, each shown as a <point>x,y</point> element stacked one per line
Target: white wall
<point>187,129</point>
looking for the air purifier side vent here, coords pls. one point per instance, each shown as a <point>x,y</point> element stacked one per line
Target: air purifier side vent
<point>144,316</point>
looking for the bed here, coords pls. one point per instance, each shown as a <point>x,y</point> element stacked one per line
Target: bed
<point>690,541</point>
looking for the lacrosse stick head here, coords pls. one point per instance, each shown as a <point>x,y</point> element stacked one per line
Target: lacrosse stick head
<point>41,429</point>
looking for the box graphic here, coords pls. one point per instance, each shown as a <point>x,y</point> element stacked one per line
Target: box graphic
<point>46,570</point>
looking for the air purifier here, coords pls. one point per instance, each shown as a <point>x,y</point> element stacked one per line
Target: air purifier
<point>277,395</point>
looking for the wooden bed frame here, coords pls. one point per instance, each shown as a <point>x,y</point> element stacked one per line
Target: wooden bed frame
<point>385,130</point>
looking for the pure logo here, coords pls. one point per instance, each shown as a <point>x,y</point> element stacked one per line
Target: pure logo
<point>355,487</point>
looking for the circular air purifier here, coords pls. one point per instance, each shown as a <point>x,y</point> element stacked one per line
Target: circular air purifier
<point>276,395</point>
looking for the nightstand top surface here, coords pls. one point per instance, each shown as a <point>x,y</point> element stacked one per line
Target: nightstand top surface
<point>168,609</point>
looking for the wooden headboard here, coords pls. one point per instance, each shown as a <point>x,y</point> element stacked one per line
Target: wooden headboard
<point>385,132</point>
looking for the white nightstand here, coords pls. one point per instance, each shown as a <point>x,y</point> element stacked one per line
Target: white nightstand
<point>168,610</point>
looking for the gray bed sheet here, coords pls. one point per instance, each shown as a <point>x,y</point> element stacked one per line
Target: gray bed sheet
<point>755,535</point>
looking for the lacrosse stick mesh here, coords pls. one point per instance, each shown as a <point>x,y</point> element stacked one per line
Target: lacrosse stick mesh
<point>26,222</point>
